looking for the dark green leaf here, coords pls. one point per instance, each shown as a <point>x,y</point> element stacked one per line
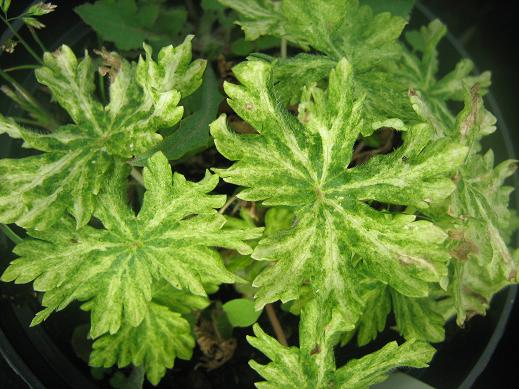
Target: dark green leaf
<point>192,135</point>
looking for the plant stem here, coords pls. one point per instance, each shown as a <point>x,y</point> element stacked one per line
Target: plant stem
<point>37,39</point>
<point>276,325</point>
<point>22,41</point>
<point>137,176</point>
<point>101,84</point>
<point>51,123</point>
<point>13,236</point>
<point>21,67</point>
<point>227,204</point>
<point>283,48</point>
<point>27,121</point>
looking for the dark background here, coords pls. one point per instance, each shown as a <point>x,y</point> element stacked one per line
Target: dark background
<point>488,30</point>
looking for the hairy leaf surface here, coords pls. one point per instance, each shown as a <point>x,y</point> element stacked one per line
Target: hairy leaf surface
<point>78,159</point>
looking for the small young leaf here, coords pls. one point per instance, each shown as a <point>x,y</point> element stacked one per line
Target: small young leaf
<point>4,5</point>
<point>241,312</point>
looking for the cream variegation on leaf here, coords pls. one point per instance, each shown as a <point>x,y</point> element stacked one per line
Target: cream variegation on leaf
<point>115,270</point>
<point>303,163</point>
<point>78,160</point>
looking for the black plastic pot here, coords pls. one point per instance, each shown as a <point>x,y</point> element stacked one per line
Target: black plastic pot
<point>43,357</point>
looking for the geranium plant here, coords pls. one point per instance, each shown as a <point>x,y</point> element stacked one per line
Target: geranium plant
<point>356,190</point>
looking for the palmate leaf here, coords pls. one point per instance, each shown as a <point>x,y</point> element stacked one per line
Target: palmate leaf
<point>312,365</point>
<point>113,269</point>
<point>421,72</point>
<point>78,159</point>
<point>303,164</point>
<point>336,29</point>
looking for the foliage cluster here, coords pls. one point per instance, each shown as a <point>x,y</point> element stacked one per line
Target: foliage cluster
<point>372,196</point>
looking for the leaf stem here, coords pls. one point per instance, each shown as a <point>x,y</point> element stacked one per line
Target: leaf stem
<point>22,41</point>
<point>227,204</point>
<point>283,47</point>
<point>13,236</point>
<point>51,122</point>
<point>37,39</point>
<point>276,325</point>
<point>137,176</point>
<point>21,67</point>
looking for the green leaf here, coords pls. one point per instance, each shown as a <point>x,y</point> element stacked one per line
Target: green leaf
<point>79,159</point>
<point>128,23</point>
<point>303,164</point>
<point>242,47</point>
<point>30,105</point>
<point>375,367</point>
<point>192,134</point>
<point>241,312</point>
<point>302,368</point>
<point>4,5</point>
<point>477,215</point>
<point>211,5</point>
<point>115,21</point>
<point>114,269</point>
<point>337,29</point>
<point>163,335</point>
<point>420,73</point>
<point>373,320</point>
<point>260,17</point>
<point>418,318</point>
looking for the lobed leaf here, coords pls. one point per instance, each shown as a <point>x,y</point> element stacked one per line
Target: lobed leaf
<point>303,164</point>
<point>114,269</point>
<point>79,159</point>
<point>293,368</point>
<point>477,215</point>
<point>337,29</point>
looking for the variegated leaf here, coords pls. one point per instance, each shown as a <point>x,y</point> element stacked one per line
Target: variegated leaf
<point>420,73</point>
<point>162,336</point>
<point>78,160</point>
<point>477,215</point>
<point>304,164</point>
<point>314,367</point>
<point>113,269</point>
<point>336,29</point>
